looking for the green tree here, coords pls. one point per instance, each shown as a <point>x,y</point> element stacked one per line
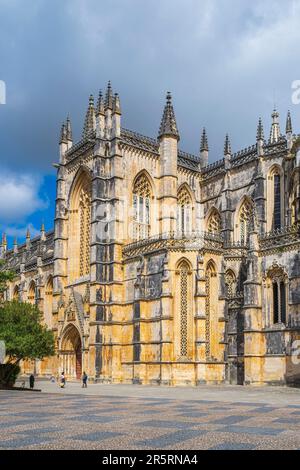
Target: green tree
<point>24,335</point>
<point>5,277</point>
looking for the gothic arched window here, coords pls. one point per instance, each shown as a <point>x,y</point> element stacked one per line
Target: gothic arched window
<point>80,227</point>
<point>32,293</point>
<point>279,301</point>
<point>141,208</point>
<point>214,222</point>
<point>184,212</point>
<point>245,221</point>
<point>278,281</point>
<point>274,199</point>
<point>85,224</point>
<point>277,202</point>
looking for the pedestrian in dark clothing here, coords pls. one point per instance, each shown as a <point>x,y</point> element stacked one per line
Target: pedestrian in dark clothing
<point>62,380</point>
<point>84,380</point>
<point>31,381</point>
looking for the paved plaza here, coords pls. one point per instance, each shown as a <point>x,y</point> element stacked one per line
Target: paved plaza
<point>135,417</point>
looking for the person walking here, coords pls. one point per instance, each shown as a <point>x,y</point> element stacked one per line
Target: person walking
<point>62,380</point>
<point>31,381</point>
<point>84,380</point>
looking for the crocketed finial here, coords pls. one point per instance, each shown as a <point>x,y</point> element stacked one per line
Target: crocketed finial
<point>90,120</point>
<point>260,131</point>
<point>289,127</point>
<point>227,146</point>
<point>168,125</point>
<point>116,104</point>
<point>109,97</point>
<point>275,128</point>
<point>63,134</point>
<point>69,129</point>
<point>100,104</point>
<point>204,141</point>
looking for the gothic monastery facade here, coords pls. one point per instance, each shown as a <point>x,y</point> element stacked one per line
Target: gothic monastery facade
<point>165,269</point>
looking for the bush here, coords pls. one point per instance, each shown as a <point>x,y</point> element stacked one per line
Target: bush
<point>8,375</point>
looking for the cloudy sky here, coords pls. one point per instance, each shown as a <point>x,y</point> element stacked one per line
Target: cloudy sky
<point>225,61</point>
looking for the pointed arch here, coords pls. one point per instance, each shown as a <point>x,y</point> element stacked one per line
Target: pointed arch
<point>185,263</point>
<point>230,283</point>
<point>142,196</point>
<point>83,174</point>
<point>144,173</point>
<point>275,198</point>
<point>213,221</point>
<point>70,335</point>
<point>80,225</point>
<point>244,220</point>
<point>275,169</point>
<point>185,187</point>
<point>16,293</point>
<point>211,267</point>
<point>49,285</point>
<point>184,209</point>
<point>71,351</point>
<point>31,296</point>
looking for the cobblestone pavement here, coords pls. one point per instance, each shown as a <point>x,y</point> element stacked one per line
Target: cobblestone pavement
<point>79,419</point>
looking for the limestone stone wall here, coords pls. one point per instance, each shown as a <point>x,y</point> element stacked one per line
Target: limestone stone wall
<point>140,286</point>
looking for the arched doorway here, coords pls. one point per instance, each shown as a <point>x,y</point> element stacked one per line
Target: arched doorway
<point>71,353</point>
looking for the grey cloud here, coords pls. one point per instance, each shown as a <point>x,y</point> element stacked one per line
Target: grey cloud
<point>223,60</point>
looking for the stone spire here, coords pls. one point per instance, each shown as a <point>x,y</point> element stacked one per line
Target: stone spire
<point>100,104</point>
<point>289,127</point>
<point>43,232</point>
<point>69,129</point>
<point>116,117</point>
<point>116,104</point>
<point>275,128</point>
<point>28,239</point>
<point>227,146</point>
<point>260,138</point>
<point>109,97</point>
<point>168,126</point>
<point>204,142</point>
<point>63,134</point>
<point>89,124</point>
<point>260,131</point>
<point>100,116</point>
<point>15,245</point>
<point>204,149</point>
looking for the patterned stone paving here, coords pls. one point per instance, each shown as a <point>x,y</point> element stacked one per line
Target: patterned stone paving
<point>52,421</point>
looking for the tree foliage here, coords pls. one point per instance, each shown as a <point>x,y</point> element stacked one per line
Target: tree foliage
<point>5,277</point>
<point>24,335</point>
